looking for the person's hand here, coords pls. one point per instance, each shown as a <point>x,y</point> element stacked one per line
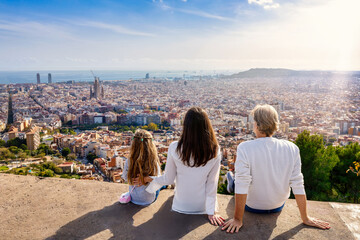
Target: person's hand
<point>313,222</point>
<point>137,181</point>
<point>216,220</point>
<point>232,225</point>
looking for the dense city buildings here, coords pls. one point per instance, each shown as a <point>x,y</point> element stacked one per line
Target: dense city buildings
<point>322,103</point>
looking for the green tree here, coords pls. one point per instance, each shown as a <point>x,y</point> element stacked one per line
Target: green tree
<point>15,142</point>
<point>347,184</point>
<point>22,155</point>
<point>47,173</point>
<point>58,170</point>
<point>65,152</point>
<point>23,147</point>
<point>64,130</point>
<point>43,148</point>
<point>153,127</point>
<point>72,132</point>
<point>163,166</point>
<point>317,164</point>
<point>71,157</point>
<point>14,149</point>
<point>2,143</point>
<point>90,157</point>
<point>4,153</point>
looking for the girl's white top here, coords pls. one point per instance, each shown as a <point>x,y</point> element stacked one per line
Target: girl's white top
<point>265,169</point>
<point>196,187</point>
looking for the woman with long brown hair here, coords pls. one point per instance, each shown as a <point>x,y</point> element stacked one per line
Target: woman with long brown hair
<point>194,163</point>
<point>143,162</point>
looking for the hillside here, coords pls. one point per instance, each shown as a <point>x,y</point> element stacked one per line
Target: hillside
<point>50,208</point>
<point>278,73</point>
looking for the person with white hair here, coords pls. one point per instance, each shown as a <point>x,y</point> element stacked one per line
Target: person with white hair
<point>265,170</point>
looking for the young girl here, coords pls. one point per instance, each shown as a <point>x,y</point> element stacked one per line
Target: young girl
<point>143,162</point>
<point>194,163</point>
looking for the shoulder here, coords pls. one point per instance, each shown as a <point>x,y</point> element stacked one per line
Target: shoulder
<point>287,144</point>
<point>247,144</point>
<point>173,146</point>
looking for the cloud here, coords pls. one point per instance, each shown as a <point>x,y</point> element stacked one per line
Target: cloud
<point>37,29</point>
<point>266,4</point>
<point>198,13</point>
<point>162,5</point>
<point>114,28</point>
<point>203,14</point>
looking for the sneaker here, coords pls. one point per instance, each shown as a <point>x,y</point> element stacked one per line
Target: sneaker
<point>125,198</point>
<point>230,182</point>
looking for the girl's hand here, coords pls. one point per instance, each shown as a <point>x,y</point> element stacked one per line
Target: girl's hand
<point>216,220</point>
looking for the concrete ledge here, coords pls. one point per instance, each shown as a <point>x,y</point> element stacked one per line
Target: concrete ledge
<point>33,208</point>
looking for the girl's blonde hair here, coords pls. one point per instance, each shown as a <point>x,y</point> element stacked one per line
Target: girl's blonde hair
<point>144,159</point>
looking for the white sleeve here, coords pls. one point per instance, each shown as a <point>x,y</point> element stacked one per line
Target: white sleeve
<point>243,177</point>
<point>167,178</point>
<point>297,179</point>
<point>211,187</point>
<point>125,170</point>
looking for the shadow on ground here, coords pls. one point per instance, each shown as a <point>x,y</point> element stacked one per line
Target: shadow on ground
<point>118,219</point>
<point>256,226</point>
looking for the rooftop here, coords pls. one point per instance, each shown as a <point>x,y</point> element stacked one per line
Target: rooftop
<point>51,208</point>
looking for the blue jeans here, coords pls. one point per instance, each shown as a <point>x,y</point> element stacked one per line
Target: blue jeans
<point>253,210</point>
<point>158,191</point>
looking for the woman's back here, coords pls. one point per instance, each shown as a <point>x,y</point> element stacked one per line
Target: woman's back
<point>195,191</point>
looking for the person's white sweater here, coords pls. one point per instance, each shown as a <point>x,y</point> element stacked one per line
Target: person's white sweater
<point>196,187</point>
<point>265,169</point>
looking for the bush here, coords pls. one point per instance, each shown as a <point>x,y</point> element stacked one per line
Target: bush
<point>3,168</point>
<point>46,173</point>
<point>65,152</point>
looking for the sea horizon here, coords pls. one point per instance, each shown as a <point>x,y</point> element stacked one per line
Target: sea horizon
<point>29,76</point>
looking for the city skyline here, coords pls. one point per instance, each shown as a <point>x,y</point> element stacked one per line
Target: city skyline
<point>177,35</point>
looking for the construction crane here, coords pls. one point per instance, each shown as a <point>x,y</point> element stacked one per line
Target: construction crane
<point>93,74</point>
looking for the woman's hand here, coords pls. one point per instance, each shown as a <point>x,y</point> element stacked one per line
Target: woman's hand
<point>137,181</point>
<point>216,220</point>
<point>313,222</point>
<point>232,225</point>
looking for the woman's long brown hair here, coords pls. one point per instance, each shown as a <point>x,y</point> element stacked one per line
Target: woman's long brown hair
<point>144,159</point>
<point>198,139</point>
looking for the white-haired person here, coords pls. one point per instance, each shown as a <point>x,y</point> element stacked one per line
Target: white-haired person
<point>265,169</point>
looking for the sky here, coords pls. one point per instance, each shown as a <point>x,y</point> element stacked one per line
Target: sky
<point>179,34</point>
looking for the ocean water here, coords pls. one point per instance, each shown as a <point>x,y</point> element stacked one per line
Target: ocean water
<point>12,77</point>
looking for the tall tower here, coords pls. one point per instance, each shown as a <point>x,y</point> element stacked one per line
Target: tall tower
<point>38,78</point>
<point>49,78</point>
<point>102,92</point>
<point>97,88</point>
<point>91,93</point>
